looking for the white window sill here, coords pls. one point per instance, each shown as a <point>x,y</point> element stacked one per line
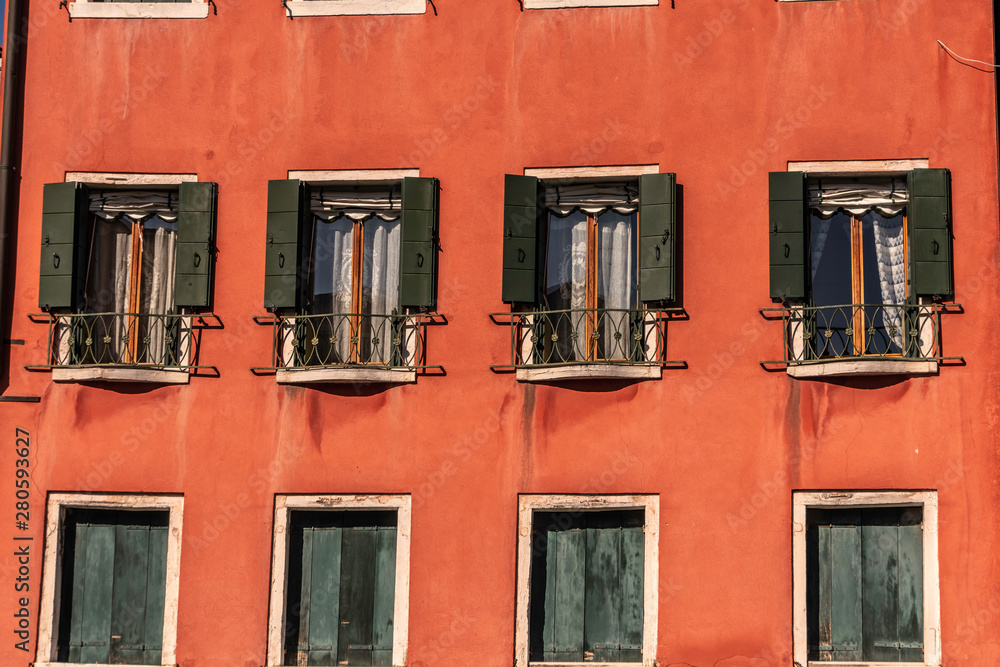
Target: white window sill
<point>558,4</point>
<point>861,367</point>
<point>86,664</point>
<point>347,375</point>
<point>602,664</point>
<point>814,663</point>
<point>124,374</point>
<point>354,7</point>
<point>590,372</point>
<point>138,10</point>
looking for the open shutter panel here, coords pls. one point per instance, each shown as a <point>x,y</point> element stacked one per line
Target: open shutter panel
<point>633,559</point>
<point>385,595</point>
<point>521,256</point>
<point>357,596</point>
<point>286,211</point>
<point>787,233</point>
<point>418,253</point>
<point>64,228</point>
<point>930,232</point>
<point>658,237</point>
<point>195,245</point>
<point>319,616</point>
<point>880,549</point>
<point>565,586</point>
<point>93,583</point>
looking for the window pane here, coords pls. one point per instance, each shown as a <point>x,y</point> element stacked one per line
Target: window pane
<point>156,292</point>
<point>884,274</point>
<point>566,287</point>
<point>329,293</point>
<point>830,266</point>
<point>379,289</point>
<point>616,284</point>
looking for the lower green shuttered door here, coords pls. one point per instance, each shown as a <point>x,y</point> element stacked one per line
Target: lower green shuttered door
<point>587,587</point>
<point>341,588</point>
<point>865,591</point>
<point>116,592</point>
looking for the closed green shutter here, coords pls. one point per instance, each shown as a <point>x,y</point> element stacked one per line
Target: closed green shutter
<point>587,587</point>
<point>866,585</point>
<point>346,603</point>
<point>929,214</point>
<point>657,238</point>
<point>521,244</point>
<point>65,208</point>
<point>418,253</point>
<point>286,212</point>
<point>787,233</point>
<point>118,591</point>
<point>195,245</point>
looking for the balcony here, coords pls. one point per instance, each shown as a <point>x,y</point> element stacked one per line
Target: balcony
<point>861,339</point>
<point>348,347</point>
<point>587,343</point>
<point>122,347</point>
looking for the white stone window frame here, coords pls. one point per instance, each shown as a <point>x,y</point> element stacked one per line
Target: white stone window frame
<point>60,336</point>
<point>806,500</point>
<point>332,374</point>
<point>528,504</point>
<point>595,371</point>
<point>192,9</point>
<point>297,8</point>
<point>797,322</point>
<point>566,4</point>
<point>58,503</point>
<point>284,505</point>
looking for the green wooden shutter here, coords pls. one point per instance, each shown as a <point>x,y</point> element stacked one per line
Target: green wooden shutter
<point>286,212</point>
<point>93,583</point>
<point>156,591</point>
<point>657,238</point>
<point>929,214</point>
<point>602,632</point>
<point>65,209</point>
<point>521,243</point>
<point>357,596</point>
<point>633,558</point>
<point>418,253</point>
<point>385,595</point>
<point>910,570</point>
<point>195,245</point>
<point>787,233</point>
<point>565,586</point>
<point>840,591</point>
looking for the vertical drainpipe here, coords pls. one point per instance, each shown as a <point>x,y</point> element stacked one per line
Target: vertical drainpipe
<point>11,65</point>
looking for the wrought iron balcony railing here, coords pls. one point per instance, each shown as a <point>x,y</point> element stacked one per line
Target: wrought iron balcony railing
<point>349,340</point>
<point>817,334</point>
<point>111,340</point>
<point>587,336</point>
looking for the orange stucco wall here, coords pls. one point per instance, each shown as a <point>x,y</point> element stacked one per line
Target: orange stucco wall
<point>718,91</point>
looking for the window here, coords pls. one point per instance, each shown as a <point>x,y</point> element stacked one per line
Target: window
<point>110,582</point>
<point>866,578</point>
<point>126,9</point>
<point>339,592</point>
<point>587,568</point>
<point>297,8</point>
<point>588,262</point>
<point>862,259</point>
<point>118,265</point>
<point>351,271</point>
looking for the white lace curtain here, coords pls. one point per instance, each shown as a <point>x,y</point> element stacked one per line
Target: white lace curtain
<point>136,205</point>
<point>331,202</point>
<point>829,195</point>
<point>591,198</point>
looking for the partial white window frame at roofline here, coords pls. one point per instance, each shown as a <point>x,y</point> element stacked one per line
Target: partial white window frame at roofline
<point>565,4</point>
<point>52,566</point>
<point>528,504</point>
<point>192,9</point>
<point>284,505</point>
<point>928,501</point>
<point>297,8</point>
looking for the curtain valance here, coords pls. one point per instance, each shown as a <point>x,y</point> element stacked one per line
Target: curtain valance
<point>592,198</point>
<point>330,203</point>
<point>137,205</point>
<point>888,198</point>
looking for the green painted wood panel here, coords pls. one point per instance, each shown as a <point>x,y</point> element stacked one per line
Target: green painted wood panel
<point>911,584</point>
<point>602,629</point>
<point>357,596</point>
<point>385,595</point>
<point>418,254</point>
<point>930,226</point>
<point>632,585</point>
<point>657,238</point>
<point>78,588</point>
<point>128,602</point>
<point>566,570</point>
<point>195,244</point>
<point>880,549</point>
<point>787,234</point>
<point>521,240</point>
<point>323,630</point>
<point>845,560</point>
<point>286,213</point>
<point>303,613</point>
<point>156,589</point>
<point>99,552</point>
<point>64,228</point>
